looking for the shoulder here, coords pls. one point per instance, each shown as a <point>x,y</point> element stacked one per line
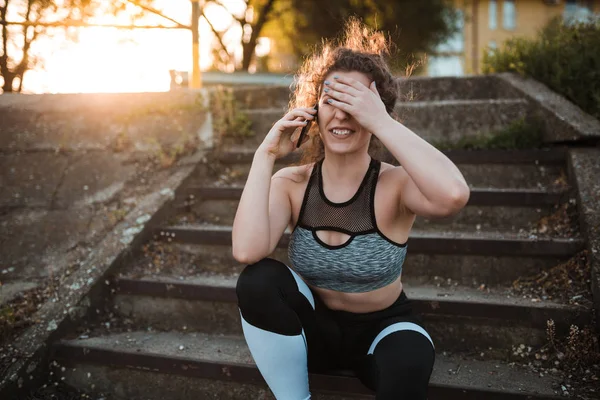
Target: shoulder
<point>392,173</point>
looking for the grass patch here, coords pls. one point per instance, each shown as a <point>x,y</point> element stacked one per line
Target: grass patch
<point>228,119</point>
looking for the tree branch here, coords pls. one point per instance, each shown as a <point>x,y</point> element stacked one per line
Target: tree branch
<point>241,20</point>
<point>217,33</point>
<point>79,24</point>
<point>157,12</point>
<point>262,18</point>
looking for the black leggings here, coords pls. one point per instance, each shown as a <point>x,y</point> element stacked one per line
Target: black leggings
<point>395,363</point>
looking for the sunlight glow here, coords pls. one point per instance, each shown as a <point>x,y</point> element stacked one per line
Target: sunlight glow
<point>112,60</point>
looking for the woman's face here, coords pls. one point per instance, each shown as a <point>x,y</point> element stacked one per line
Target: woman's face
<point>339,131</point>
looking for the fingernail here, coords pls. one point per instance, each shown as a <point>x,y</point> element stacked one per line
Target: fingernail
<point>336,77</point>
<point>326,89</point>
<point>329,101</point>
<point>327,82</point>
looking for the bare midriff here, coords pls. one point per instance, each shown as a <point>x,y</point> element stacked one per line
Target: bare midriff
<point>374,300</point>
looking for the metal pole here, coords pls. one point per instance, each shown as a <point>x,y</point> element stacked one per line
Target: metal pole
<point>196,81</point>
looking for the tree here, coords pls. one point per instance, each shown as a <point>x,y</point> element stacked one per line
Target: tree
<point>16,58</point>
<point>257,14</point>
<point>414,26</point>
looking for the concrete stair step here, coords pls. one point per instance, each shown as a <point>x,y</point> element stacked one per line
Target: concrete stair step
<point>488,209</point>
<point>176,366</point>
<point>261,97</point>
<point>502,169</point>
<point>410,89</point>
<point>441,120</point>
<point>453,88</point>
<point>527,197</point>
<point>459,318</point>
<point>188,260</point>
<point>549,156</point>
<point>420,242</point>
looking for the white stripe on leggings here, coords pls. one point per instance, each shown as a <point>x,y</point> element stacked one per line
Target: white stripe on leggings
<point>399,326</point>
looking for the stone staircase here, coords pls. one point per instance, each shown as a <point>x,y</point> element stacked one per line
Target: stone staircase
<point>168,325</point>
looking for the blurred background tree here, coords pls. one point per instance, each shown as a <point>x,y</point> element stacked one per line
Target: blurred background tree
<point>415,27</point>
<point>292,28</point>
<point>296,26</point>
<point>17,40</point>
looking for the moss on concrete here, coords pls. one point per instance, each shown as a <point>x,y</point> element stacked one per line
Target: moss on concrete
<point>520,134</point>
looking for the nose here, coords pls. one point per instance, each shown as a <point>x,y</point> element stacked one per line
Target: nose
<point>341,114</point>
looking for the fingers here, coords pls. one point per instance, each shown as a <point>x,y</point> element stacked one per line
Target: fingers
<point>349,86</point>
<point>290,124</point>
<point>341,97</point>
<point>373,88</point>
<point>341,105</point>
<point>306,113</point>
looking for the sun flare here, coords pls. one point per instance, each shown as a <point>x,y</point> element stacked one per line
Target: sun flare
<point>114,60</point>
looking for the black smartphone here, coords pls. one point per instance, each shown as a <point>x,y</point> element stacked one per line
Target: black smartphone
<point>306,128</point>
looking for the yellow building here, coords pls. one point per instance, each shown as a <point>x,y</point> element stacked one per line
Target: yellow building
<point>488,23</point>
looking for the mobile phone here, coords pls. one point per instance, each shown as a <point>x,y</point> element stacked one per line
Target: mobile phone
<point>306,128</point>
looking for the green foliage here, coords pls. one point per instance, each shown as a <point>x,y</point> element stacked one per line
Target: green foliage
<point>520,134</point>
<point>414,26</point>
<point>228,119</point>
<point>565,57</point>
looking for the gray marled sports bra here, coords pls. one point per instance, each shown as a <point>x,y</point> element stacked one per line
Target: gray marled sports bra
<point>366,261</point>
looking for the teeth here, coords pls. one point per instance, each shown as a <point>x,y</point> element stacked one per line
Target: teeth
<point>341,131</point>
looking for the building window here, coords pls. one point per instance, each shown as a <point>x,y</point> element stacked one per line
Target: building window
<point>577,11</point>
<point>493,14</point>
<point>509,15</point>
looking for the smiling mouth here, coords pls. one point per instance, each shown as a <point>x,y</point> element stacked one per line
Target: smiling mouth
<point>341,132</point>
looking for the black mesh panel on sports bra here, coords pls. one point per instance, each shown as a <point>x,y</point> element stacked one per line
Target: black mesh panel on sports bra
<point>350,217</point>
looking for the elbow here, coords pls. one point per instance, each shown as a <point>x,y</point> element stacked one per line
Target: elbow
<point>245,256</point>
<point>242,256</point>
<point>457,199</point>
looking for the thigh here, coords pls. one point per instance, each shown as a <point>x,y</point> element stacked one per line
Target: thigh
<point>288,302</point>
<point>399,365</point>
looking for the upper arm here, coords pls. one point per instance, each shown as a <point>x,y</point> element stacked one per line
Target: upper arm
<point>280,206</point>
<point>411,199</point>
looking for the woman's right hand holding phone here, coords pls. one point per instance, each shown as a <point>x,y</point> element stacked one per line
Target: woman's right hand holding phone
<point>279,141</point>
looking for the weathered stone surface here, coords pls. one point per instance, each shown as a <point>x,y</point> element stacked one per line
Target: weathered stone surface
<point>179,370</point>
<point>453,88</point>
<point>561,119</point>
<point>99,120</point>
<point>584,165</point>
<point>447,120</point>
<point>81,176</point>
<point>72,303</point>
<point>10,290</point>
<point>451,120</point>
<point>31,179</point>
<point>94,177</point>
<point>32,240</point>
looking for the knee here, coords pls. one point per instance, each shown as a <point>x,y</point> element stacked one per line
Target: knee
<point>405,363</point>
<point>262,290</point>
<point>259,281</point>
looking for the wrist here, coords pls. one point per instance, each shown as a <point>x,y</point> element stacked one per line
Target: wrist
<point>383,124</point>
<point>264,156</point>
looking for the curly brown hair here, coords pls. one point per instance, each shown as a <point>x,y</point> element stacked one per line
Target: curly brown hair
<point>360,49</point>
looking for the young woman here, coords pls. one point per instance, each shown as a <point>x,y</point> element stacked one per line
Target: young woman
<point>340,304</point>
